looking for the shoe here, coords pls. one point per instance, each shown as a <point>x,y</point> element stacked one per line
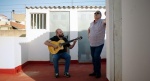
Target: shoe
<point>92,74</point>
<point>97,76</point>
<point>56,75</point>
<point>67,75</point>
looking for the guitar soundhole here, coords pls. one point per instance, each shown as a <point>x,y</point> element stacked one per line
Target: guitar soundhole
<point>60,44</point>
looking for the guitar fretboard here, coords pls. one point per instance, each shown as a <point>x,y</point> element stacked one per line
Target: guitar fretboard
<point>71,40</point>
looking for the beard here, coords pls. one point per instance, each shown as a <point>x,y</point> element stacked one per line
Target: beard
<point>61,36</point>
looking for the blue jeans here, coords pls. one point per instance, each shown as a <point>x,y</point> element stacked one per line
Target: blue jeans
<point>56,58</point>
<point>96,58</point>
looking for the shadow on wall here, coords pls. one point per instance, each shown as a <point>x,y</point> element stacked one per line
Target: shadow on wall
<point>35,50</point>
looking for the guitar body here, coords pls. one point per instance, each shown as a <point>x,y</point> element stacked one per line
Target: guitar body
<point>60,44</point>
<point>55,51</point>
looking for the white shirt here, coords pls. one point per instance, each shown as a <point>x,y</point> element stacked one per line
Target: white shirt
<point>97,33</point>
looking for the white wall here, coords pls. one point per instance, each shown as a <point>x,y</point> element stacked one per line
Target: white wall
<point>20,50</point>
<point>24,50</point>
<point>109,42</point>
<point>10,52</point>
<point>136,40</point>
<point>7,56</point>
<point>37,50</point>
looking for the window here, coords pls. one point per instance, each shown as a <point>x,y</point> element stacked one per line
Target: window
<point>38,21</point>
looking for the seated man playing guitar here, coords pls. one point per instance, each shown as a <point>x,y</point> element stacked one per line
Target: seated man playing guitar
<point>61,53</point>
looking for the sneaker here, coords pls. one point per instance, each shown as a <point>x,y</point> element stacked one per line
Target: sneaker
<point>92,74</point>
<point>56,75</point>
<point>67,75</point>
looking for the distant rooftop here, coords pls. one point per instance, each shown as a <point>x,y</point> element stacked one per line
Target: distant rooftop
<point>3,16</point>
<point>19,17</point>
<point>65,7</point>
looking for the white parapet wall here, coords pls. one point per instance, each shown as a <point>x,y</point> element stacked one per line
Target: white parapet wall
<point>11,52</point>
<point>38,51</point>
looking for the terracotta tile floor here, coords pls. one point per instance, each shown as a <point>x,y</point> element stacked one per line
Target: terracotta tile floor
<point>45,72</point>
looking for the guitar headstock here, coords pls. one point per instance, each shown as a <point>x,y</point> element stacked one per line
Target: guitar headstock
<point>79,38</point>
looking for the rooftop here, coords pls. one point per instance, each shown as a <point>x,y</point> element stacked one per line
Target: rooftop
<point>19,17</point>
<point>3,16</point>
<point>17,25</point>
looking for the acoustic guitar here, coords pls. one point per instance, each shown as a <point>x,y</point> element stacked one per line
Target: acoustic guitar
<point>60,45</point>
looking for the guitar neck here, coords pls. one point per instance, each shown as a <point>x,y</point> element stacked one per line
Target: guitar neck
<point>68,42</point>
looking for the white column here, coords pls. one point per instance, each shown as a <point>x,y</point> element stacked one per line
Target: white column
<point>114,40</point>
<point>117,32</point>
<point>109,42</point>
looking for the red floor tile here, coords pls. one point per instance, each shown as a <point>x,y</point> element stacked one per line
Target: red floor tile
<point>45,72</point>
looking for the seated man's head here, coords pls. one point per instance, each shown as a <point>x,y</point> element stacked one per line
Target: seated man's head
<point>59,33</point>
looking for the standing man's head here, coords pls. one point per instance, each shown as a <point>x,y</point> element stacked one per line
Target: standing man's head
<point>97,15</point>
<point>59,33</point>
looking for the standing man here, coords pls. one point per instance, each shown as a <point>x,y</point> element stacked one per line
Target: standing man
<point>96,33</point>
<point>61,54</point>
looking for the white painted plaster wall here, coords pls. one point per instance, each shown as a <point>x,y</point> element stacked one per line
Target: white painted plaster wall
<point>37,50</point>
<point>20,50</point>
<point>109,42</point>
<point>135,40</point>
<point>7,56</point>
<point>10,52</point>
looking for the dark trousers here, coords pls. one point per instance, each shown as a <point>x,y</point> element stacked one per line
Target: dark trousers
<point>96,58</point>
